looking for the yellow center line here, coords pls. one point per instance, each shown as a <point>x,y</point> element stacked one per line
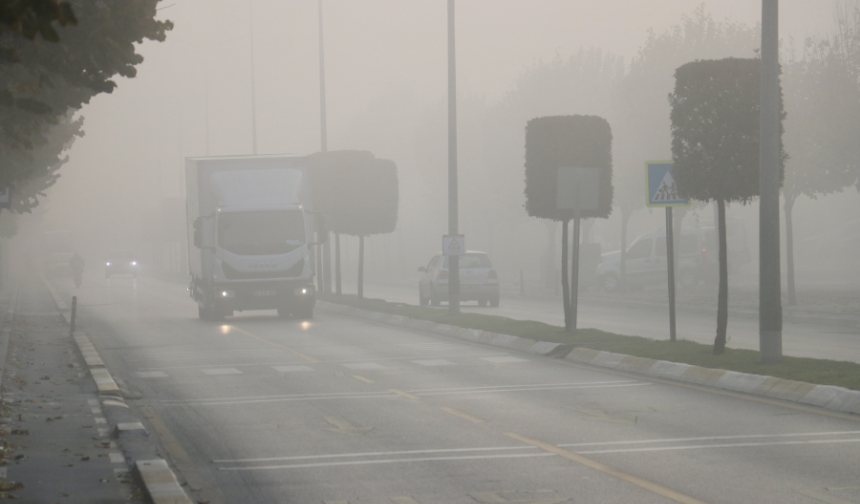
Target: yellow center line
<point>363,378</point>
<point>462,415</point>
<point>404,393</point>
<point>264,340</point>
<point>612,471</point>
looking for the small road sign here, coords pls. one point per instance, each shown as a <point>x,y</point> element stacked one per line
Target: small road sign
<point>660,185</point>
<point>453,245</point>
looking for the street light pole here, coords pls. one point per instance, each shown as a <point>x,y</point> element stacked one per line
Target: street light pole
<point>453,226</point>
<point>253,85</point>
<point>770,291</point>
<point>325,270</point>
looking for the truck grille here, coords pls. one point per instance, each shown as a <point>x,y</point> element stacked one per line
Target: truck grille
<point>233,274</point>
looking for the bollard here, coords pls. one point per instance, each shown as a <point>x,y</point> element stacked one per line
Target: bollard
<point>74,312</point>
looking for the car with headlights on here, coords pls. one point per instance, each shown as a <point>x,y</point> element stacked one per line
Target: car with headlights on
<point>121,262</point>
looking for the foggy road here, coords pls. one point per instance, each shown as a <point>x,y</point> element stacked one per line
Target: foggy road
<point>800,339</point>
<point>336,410</point>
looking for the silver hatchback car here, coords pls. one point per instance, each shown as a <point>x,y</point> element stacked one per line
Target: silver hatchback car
<point>478,280</point>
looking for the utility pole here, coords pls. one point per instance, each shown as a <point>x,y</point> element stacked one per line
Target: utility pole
<point>253,85</point>
<point>770,292</point>
<point>325,272</point>
<point>453,226</point>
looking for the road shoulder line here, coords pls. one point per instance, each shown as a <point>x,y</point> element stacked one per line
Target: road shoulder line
<point>828,397</point>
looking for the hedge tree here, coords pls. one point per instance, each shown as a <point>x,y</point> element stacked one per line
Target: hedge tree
<point>715,145</point>
<point>359,196</point>
<point>555,142</point>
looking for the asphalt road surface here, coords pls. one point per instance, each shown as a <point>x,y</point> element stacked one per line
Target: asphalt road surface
<point>340,411</point>
<point>799,338</point>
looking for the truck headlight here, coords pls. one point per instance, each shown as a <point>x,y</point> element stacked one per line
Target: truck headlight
<point>228,294</point>
<point>301,291</point>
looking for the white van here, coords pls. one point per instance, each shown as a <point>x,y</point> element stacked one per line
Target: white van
<point>697,259</point>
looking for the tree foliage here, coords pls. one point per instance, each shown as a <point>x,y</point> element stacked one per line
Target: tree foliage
<point>566,141</point>
<point>715,129</point>
<point>45,78</point>
<point>357,192</point>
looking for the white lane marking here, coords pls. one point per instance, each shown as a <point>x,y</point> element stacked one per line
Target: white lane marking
<point>371,454</point>
<point>116,457</point>
<point>505,359</point>
<point>220,371</point>
<point>284,398</point>
<point>524,455</point>
<point>283,362</point>
<point>100,420</point>
<point>519,386</point>
<point>384,461</point>
<point>151,374</point>
<point>93,402</point>
<point>531,389</point>
<point>363,365</point>
<point>724,445</point>
<point>379,395</point>
<point>292,369</point>
<point>434,362</point>
<point>713,438</point>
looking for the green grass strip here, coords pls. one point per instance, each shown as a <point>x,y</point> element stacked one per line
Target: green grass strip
<point>819,371</point>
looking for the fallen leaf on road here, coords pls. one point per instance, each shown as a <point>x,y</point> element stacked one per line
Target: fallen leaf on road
<point>85,458</point>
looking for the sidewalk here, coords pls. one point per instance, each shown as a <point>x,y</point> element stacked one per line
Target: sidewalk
<point>55,440</point>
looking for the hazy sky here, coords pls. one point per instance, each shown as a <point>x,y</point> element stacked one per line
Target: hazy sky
<point>136,137</point>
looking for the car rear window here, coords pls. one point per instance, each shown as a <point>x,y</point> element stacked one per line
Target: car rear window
<point>472,261</point>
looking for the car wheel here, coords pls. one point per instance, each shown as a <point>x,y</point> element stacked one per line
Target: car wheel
<point>202,312</point>
<point>423,301</point>
<point>611,282</point>
<point>494,301</point>
<point>434,301</point>
<point>305,312</point>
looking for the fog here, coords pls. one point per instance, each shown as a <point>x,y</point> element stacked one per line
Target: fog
<point>386,92</point>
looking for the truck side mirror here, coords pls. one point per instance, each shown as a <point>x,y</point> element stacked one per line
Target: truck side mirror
<point>198,232</point>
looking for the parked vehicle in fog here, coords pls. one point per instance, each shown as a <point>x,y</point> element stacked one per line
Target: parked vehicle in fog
<point>478,280</point>
<point>697,260</point>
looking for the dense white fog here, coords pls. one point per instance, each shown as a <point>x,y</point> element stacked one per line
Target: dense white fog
<point>386,92</point>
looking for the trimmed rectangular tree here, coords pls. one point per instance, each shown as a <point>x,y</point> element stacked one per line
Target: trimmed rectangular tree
<point>566,142</point>
<point>359,196</point>
<point>715,145</point>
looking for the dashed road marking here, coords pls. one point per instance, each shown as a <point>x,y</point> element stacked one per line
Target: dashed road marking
<point>292,369</point>
<point>220,371</point>
<point>116,457</point>
<point>528,497</point>
<point>503,359</point>
<point>403,499</point>
<point>363,378</point>
<point>363,365</point>
<point>612,471</point>
<point>434,362</point>
<point>462,414</point>
<point>404,393</point>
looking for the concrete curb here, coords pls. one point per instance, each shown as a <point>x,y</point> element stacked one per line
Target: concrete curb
<point>152,473</point>
<point>828,397</point>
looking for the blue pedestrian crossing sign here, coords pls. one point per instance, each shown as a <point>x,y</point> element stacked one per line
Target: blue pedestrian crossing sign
<point>662,191</point>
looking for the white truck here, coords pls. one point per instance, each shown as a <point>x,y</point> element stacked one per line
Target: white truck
<point>250,227</point>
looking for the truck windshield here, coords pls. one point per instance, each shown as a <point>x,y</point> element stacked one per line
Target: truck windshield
<point>261,232</point>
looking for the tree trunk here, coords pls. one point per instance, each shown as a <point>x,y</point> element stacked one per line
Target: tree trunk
<point>565,285</point>
<point>625,216</point>
<point>337,262</point>
<point>723,297</point>
<point>789,247</point>
<point>549,270</point>
<point>361,267</point>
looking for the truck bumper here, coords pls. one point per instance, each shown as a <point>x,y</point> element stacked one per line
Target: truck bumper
<point>256,295</point>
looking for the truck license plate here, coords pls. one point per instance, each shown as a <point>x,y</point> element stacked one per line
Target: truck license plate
<point>262,293</point>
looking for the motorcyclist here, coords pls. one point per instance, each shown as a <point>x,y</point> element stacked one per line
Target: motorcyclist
<point>77,265</point>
